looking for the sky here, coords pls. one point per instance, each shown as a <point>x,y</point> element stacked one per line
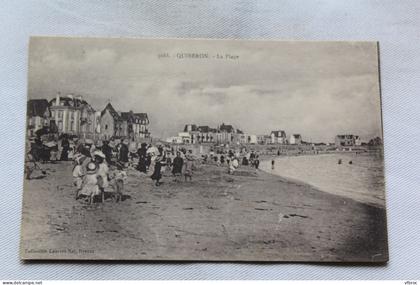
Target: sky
<point>316,89</point>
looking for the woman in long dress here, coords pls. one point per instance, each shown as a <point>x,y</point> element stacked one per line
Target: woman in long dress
<point>156,176</point>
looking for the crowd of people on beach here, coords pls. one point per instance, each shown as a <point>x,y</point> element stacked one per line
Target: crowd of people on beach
<point>100,167</point>
<point>232,158</point>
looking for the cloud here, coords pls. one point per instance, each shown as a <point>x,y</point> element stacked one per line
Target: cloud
<point>316,89</point>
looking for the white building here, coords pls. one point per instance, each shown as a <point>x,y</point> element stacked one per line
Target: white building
<point>278,137</point>
<point>295,139</point>
<point>73,115</point>
<point>252,139</point>
<point>185,137</point>
<point>176,139</point>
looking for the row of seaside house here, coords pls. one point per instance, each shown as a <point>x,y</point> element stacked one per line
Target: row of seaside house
<point>74,116</point>
<point>227,134</point>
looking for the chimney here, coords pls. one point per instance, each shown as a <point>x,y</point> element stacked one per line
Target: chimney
<point>57,99</point>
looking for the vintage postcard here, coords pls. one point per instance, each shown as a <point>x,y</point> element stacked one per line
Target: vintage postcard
<point>203,150</point>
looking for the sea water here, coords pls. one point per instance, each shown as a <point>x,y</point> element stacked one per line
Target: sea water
<point>362,180</point>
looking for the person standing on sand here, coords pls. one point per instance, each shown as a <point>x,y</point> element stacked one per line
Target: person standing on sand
<point>177,166</point>
<point>103,169</point>
<point>156,176</point>
<point>90,186</point>
<point>245,161</point>
<point>189,165</point>
<point>257,161</point>
<point>78,172</point>
<point>65,147</point>
<point>141,152</point>
<point>272,164</point>
<point>107,150</point>
<point>124,153</point>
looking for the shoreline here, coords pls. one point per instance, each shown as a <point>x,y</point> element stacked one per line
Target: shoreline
<point>265,166</point>
<point>216,217</point>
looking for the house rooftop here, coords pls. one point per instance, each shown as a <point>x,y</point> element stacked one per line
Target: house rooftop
<point>69,102</point>
<point>112,111</point>
<point>128,116</point>
<point>279,134</point>
<point>37,107</point>
<point>226,128</point>
<point>193,127</point>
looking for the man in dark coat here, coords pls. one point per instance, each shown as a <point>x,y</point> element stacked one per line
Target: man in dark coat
<point>177,166</point>
<point>65,145</point>
<point>141,152</point>
<point>107,150</point>
<point>124,154</point>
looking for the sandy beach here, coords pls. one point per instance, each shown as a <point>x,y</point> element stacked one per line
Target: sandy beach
<point>215,217</point>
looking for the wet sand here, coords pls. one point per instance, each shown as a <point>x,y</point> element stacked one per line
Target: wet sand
<point>362,180</point>
<point>255,216</point>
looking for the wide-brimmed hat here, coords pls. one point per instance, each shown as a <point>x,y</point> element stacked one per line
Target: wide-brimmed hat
<point>79,158</point>
<point>99,153</point>
<point>89,141</point>
<point>91,168</point>
<point>50,144</point>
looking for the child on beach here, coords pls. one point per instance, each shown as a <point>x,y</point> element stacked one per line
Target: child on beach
<point>233,165</point>
<point>118,178</point>
<point>90,186</point>
<point>103,172</point>
<point>78,172</point>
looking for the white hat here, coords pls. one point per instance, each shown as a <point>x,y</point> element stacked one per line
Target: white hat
<point>91,168</point>
<point>99,153</point>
